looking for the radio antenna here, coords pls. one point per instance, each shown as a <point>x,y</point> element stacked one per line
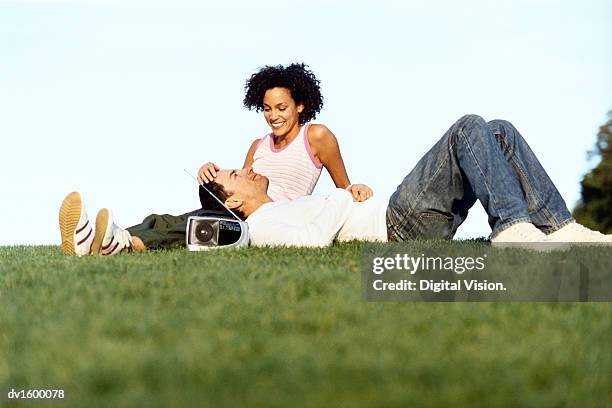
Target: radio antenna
<point>214,196</point>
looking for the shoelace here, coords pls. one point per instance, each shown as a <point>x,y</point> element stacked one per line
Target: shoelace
<point>124,237</point>
<point>127,237</point>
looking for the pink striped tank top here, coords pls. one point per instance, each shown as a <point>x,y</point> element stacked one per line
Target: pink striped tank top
<point>292,170</point>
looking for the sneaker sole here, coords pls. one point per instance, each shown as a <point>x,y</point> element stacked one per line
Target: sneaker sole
<point>69,216</point>
<point>101,225</point>
<point>535,246</point>
<point>591,244</point>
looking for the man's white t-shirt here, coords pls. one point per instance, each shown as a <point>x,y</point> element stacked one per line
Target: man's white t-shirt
<point>316,221</point>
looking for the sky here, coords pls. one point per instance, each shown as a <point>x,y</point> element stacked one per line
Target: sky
<point>114,99</point>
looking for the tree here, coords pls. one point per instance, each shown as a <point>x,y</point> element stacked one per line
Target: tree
<point>594,209</point>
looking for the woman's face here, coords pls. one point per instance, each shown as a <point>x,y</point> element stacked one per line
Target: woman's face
<point>281,112</point>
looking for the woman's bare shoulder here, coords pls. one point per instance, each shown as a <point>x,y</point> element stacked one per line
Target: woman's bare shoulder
<point>318,132</point>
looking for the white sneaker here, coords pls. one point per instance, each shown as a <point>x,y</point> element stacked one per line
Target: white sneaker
<point>110,239</point>
<point>75,229</point>
<point>579,234</point>
<point>526,235</point>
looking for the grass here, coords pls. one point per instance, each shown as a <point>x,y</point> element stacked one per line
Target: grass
<point>281,327</point>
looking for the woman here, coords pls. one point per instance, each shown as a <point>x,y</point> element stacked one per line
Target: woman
<point>295,151</point>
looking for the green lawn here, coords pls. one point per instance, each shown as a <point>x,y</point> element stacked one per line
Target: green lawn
<point>282,327</point>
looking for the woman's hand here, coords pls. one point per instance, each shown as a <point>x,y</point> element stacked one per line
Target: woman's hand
<point>360,192</point>
<point>207,172</point>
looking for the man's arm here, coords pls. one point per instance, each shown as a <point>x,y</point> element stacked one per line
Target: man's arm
<point>314,223</point>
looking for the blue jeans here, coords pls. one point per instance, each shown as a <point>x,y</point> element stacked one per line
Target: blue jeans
<point>475,159</point>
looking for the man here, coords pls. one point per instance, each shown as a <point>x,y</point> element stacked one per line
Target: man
<point>474,160</point>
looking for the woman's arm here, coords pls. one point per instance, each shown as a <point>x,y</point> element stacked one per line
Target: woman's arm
<point>248,161</point>
<point>326,150</point>
<point>208,171</point>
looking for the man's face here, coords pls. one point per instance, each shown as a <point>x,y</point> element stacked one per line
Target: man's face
<point>243,184</point>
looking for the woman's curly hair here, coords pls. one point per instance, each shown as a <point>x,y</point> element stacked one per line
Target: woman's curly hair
<point>297,78</point>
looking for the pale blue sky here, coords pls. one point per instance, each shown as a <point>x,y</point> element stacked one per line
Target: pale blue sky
<point>114,99</point>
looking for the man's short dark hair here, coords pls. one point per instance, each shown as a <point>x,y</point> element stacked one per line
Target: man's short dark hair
<point>209,203</point>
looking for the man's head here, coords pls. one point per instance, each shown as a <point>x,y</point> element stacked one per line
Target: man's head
<point>243,191</point>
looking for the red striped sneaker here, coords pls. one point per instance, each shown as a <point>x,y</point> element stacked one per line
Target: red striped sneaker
<point>75,228</point>
<point>110,239</point>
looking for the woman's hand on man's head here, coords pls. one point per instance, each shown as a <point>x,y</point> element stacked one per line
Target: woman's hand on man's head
<point>207,172</point>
